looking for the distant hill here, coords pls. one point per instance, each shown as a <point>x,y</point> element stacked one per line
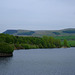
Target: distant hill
<point>39,33</point>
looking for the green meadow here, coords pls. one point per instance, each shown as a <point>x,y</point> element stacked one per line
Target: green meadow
<point>70,40</point>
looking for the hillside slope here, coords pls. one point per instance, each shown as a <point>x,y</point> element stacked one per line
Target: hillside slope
<point>39,33</point>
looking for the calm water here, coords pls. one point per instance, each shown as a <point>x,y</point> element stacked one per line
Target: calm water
<point>39,62</point>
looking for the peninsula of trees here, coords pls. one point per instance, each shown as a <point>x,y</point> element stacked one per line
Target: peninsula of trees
<point>9,42</point>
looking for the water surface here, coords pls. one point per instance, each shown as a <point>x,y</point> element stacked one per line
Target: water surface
<point>58,61</point>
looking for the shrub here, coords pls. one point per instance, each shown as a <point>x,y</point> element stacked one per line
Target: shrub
<point>6,48</point>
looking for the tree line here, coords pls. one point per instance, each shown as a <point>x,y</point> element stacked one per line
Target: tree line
<point>20,42</point>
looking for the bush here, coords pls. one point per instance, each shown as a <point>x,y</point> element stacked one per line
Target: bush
<point>25,46</point>
<point>6,48</point>
<point>33,46</point>
<point>18,46</point>
<point>28,46</point>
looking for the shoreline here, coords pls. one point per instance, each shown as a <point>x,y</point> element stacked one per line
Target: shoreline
<point>6,54</point>
<point>40,48</point>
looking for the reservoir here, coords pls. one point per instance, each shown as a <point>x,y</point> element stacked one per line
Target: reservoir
<point>57,61</point>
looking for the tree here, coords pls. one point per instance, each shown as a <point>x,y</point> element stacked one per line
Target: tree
<point>6,48</point>
<point>58,43</point>
<point>65,43</point>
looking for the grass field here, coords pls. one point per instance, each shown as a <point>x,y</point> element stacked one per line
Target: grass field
<point>70,40</point>
<point>71,43</point>
<point>65,37</point>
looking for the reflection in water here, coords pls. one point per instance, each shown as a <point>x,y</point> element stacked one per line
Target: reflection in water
<point>4,61</point>
<point>39,62</point>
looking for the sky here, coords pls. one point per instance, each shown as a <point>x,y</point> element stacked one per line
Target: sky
<point>37,14</point>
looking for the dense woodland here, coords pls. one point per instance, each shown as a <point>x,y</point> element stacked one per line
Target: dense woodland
<point>19,42</point>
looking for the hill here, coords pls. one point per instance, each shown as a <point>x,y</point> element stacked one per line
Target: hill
<point>39,33</point>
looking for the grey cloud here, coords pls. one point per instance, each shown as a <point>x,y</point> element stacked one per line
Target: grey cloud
<point>35,14</point>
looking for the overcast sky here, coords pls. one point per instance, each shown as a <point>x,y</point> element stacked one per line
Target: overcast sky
<point>37,14</point>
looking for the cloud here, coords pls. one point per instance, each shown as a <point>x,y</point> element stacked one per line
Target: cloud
<point>37,13</point>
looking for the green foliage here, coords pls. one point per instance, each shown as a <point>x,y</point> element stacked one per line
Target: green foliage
<point>51,42</point>
<point>6,48</point>
<point>26,33</point>
<point>56,33</point>
<point>40,45</point>
<point>32,42</point>
<point>18,46</point>
<point>69,31</point>
<point>10,32</point>
<point>40,33</point>
<point>65,37</point>
<point>58,43</point>
<point>71,43</point>
<point>28,46</point>
<point>65,43</point>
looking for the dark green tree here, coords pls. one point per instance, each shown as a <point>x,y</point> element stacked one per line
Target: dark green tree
<point>6,48</point>
<point>65,43</point>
